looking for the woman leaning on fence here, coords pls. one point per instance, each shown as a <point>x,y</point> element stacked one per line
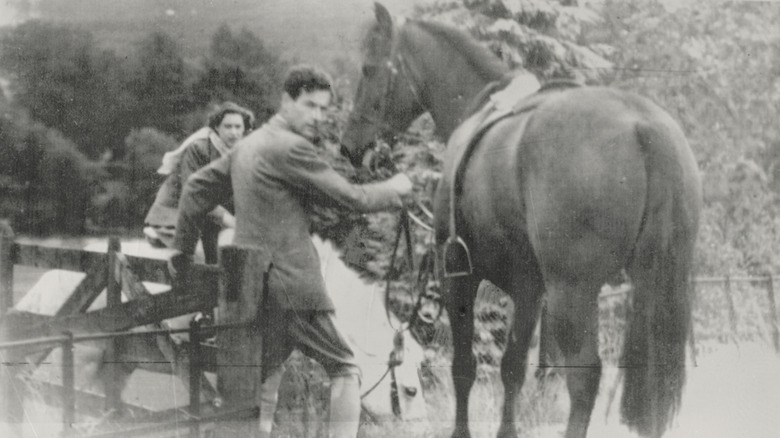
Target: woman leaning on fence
<point>227,124</point>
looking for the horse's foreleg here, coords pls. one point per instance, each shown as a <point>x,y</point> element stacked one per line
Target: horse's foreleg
<point>461,293</point>
<point>513,365</point>
<point>573,312</point>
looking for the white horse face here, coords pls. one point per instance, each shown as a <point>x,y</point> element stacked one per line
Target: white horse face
<point>361,317</point>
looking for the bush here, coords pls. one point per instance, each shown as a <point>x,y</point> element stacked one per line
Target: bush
<point>132,183</point>
<point>45,182</point>
<point>240,68</point>
<point>66,82</point>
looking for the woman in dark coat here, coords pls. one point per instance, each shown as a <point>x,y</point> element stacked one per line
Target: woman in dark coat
<point>227,124</point>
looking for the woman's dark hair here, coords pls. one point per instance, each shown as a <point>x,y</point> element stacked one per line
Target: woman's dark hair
<point>220,111</point>
<point>306,78</point>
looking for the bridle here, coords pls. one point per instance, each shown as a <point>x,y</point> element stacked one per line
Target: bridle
<point>398,71</point>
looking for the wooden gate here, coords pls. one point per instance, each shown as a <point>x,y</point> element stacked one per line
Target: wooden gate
<point>231,290</point>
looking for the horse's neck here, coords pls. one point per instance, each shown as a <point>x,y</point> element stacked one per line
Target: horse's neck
<point>450,96</point>
<point>452,83</point>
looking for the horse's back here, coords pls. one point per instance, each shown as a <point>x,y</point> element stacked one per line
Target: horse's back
<point>570,181</point>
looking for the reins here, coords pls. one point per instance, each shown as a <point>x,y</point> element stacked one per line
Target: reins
<point>402,228</point>
<point>397,67</point>
<point>397,354</point>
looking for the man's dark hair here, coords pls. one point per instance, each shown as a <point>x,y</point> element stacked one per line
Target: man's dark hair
<point>306,78</point>
<point>220,111</point>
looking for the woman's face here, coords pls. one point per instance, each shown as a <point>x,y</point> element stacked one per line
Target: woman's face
<point>231,129</point>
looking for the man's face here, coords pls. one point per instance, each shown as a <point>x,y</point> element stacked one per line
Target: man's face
<point>231,129</point>
<point>305,113</point>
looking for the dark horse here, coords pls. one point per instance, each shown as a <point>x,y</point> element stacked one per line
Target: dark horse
<point>598,181</point>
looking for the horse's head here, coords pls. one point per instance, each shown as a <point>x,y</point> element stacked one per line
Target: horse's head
<point>388,97</point>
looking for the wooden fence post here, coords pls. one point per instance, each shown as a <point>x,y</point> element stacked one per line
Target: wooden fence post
<point>6,269</point>
<point>68,385</point>
<point>239,357</point>
<point>113,299</point>
<point>732,310</point>
<point>770,291</point>
<point>196,373</point>
<point>691,335</point>
<point>12,392</point>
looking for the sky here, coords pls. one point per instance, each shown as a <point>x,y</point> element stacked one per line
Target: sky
<point>306,29</point>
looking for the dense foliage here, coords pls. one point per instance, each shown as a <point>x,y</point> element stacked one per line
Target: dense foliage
<point>714,67</point>
<point>67,83</point>
<point>105,105</point>
<point>45,182</point>
<point>542,36</point>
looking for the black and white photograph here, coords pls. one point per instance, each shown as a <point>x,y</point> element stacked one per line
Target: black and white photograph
<point>389,218</point>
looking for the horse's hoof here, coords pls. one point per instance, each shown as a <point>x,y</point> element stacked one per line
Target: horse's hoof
<point>461,433</point>
<point>507,431</point>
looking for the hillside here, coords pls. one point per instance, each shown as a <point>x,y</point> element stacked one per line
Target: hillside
<point>312,30</point>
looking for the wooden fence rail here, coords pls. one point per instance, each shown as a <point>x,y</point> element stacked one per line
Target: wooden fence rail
<point>67,341</point>
<point>234,288</point>
<point>728,283</point>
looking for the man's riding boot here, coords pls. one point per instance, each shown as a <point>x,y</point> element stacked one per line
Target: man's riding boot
<point>344,406</point>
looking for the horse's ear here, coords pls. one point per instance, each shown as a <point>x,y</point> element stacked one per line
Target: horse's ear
<point>384,19</point>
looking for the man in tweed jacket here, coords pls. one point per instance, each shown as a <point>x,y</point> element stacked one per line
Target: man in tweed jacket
<point>274,174</point>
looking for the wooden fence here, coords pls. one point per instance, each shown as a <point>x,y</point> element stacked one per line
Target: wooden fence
<point>744,308</point>
<point>235,288</point>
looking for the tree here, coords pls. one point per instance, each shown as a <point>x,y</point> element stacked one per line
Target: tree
<point>240,68</point>
<point>45,183</point>
<point>67,83</point>
<point>543,36</point>
<point>159,84</point>
<point>715,68</point>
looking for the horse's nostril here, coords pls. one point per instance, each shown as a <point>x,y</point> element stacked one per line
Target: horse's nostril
<point>410,391</point>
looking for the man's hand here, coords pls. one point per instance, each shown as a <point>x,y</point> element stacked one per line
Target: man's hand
<point>403,186</point>
<point>178,263</point>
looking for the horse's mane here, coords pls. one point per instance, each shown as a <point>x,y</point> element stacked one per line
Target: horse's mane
<point>484,62</point>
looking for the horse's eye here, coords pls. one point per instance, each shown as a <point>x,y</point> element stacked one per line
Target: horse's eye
<point>369,70</point>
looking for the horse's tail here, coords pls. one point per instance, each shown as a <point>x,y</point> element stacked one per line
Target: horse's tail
<point>654,351</point>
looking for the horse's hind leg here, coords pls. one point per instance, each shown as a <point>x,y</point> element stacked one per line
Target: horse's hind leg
<point>526,295</point>
<point>460,296</point>
<point>573,312</point>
